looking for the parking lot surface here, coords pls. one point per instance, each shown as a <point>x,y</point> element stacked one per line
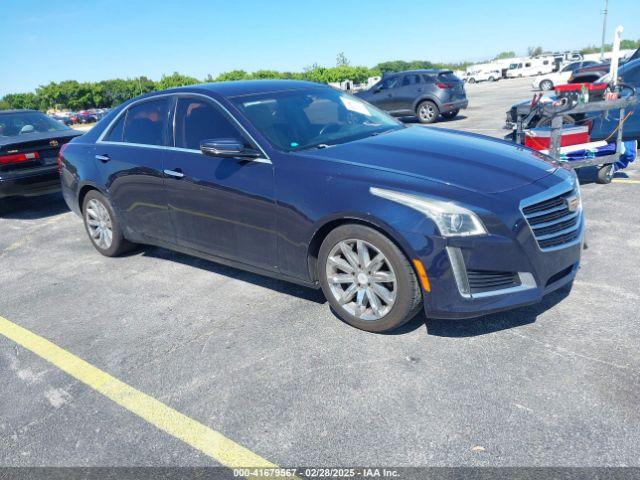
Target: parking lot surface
<point>268,365</point>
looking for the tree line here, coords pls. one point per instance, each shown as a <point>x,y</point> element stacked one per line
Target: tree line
<point>74,95</point>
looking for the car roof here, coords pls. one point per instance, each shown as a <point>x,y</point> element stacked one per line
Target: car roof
<point>247,87</point>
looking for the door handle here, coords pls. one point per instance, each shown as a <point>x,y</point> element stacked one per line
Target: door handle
<point>174,173</point>
<point>103,158</point>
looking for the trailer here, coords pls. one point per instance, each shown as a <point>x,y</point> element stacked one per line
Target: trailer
<point>557,112</point>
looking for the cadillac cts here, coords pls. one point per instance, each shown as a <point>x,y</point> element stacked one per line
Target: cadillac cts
<point>305,183</point>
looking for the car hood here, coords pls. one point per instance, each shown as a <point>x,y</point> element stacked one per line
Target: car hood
<point>468,161</point>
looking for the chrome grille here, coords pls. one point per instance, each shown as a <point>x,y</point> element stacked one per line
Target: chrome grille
<point>553,223</point>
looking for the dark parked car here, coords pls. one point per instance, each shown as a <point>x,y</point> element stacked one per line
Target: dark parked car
<point>590,73</point>
<point>302,182</point>
<point>86,116</point>
<point>423,93</point>
<point>29,146</point>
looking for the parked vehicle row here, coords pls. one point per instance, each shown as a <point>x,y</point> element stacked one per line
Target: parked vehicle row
<point>82,117</point>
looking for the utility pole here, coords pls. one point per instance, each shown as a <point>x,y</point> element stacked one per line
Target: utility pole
<point>604,27</point>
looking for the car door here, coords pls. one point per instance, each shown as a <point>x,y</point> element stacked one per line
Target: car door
<point>384,94</point>
<point>220,206</point>
<point>410,88</point>
<point>130,158</point>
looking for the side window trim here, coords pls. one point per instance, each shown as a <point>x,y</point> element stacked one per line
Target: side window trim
<point>227,114</point>
<point>173,102</point>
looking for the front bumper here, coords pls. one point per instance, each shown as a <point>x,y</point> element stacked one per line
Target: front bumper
<point>544,272</point>
<point>29,183</point>
<point>533,267</point>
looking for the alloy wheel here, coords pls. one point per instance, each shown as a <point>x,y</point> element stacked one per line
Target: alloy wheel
<point>427,112</point>
<point>99,224</point>
<point>361,279</point>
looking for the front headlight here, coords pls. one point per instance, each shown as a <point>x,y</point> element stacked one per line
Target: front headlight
<point>452,220</point>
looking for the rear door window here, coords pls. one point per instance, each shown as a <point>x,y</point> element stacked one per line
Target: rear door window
<point>115,134</point>
<point>409,80</point>
<point>146,122</point>
<point>198,120</point>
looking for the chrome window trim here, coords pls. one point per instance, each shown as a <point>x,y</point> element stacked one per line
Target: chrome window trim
<point>527,281</point>
<point>265,159</point>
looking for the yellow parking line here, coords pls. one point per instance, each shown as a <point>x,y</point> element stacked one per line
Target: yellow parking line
<point>199,436</point>
<point>625,180</point>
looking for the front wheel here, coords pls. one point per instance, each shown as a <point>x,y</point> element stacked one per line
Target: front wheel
<point>102,225</point>
<point>427,112</point>
<point>367,280</point>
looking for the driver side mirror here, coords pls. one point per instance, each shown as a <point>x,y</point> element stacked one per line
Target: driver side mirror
<point>227,148</point>
<point>379,88</point>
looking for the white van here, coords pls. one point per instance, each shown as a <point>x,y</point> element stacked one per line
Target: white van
<point>531,66</point>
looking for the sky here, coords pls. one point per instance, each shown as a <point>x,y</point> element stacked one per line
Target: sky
<point>46,41</point>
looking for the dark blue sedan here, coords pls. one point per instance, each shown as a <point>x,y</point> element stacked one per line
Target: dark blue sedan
<point>305,183</point>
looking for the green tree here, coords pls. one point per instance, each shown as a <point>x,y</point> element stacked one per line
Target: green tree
<point>507,54</point>
<point>232,75</point>
<point>534,51</point>
<point>176,80</point>
<point>342,60</point>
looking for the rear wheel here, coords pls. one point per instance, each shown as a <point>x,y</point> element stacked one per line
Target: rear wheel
<point>367,280</point>
<point>102,225</point>
<point>427,112</point>
<point>472,80</point>
<point>451,114</point>
<point>546,85</point>
<point>492,79</point>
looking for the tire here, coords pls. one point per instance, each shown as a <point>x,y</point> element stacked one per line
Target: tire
<point>492,79</point>
<point>399,300</point>
<point>605,174</point>
<point>427,112</point>
<point>451,114</point>
<point>102,225</point>
<point>546,85</point>
<point>472,80</point>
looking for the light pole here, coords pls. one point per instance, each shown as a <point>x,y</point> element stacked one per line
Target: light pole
<point>604,28</point>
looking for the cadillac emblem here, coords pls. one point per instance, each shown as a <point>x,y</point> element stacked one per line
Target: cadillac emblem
<point>573,203</point>
<point>53,143</point>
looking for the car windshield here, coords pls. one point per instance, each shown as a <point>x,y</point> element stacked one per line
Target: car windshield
<point>314,118</point>
<point>26,123</point>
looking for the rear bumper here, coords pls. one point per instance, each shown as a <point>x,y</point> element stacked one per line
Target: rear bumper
<point>30,183</point>
<point>451,106</point>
